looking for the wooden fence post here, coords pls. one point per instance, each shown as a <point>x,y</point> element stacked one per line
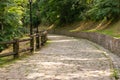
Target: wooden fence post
<point>32,43</point>
<point>16,48</point>
<point>46,36</point>
<point>42,39</point>
<point>37,40</point>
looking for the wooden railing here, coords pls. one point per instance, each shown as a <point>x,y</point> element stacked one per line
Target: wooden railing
<point>39,39</point>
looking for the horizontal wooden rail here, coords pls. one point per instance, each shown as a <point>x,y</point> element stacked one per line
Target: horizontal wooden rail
<point>24,40</point>
<point>24,50</point>
<point>8,42</point>
<point>7,54</point>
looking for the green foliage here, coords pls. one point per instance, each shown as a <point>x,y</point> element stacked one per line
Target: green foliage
<point>11,14</point>
<point>67,11</point>
<point>104,8</point>
<point>62,11</point>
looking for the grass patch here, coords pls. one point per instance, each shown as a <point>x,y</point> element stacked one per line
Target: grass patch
<point>6,61</point>
<point>116,74</point>
<point>110,32</point>
<point>46,44</point>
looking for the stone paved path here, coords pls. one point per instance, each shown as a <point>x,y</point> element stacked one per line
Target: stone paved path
<point>64,58</point>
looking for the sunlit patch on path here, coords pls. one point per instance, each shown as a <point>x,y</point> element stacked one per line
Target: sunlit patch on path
<point>65,58</point>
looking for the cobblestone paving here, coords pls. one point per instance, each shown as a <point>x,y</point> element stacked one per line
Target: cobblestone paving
<point>64,58</point>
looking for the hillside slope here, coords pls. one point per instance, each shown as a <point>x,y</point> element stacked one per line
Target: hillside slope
<point>104,27</point>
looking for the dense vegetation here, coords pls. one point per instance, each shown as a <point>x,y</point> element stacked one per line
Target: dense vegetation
<point>14,14</point>
<point>67,11</point>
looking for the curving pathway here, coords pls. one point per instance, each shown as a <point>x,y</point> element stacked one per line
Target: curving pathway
<point>63,58</point>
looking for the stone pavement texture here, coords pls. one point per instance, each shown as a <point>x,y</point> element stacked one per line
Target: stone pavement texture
<point>63,58</point>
